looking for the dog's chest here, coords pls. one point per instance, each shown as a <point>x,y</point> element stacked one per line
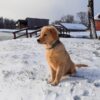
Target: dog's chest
<point>52,56</point>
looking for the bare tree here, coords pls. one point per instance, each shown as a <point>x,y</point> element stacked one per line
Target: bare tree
<point>83,16</point>
<point>9,24</point>
<point>67,19</point>
<point>1,22</point>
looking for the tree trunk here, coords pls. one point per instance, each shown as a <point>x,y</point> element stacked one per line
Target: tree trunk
<point>91,19</point>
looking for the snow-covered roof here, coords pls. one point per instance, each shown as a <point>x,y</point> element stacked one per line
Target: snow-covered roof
<point>97,17</point>
<point>74,26</point>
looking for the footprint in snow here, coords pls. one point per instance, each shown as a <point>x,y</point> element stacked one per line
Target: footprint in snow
<point>77,98</point>
<point>86,93</point>
<point>97,54</point>
<point>97,84</point>
<point>7,74</point>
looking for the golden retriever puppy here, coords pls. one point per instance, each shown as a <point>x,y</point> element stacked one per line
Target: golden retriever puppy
<point>58,58</point>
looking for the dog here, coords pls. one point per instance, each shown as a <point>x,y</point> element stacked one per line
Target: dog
<point>57,57</point>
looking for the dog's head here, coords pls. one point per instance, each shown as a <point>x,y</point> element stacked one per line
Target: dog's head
<point>48,34</point>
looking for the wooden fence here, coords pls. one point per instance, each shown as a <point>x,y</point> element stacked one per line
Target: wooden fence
<point>25,32</point>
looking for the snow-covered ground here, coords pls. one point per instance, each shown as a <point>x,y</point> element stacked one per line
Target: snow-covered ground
<point>7,34</point>
<point>24,71</point>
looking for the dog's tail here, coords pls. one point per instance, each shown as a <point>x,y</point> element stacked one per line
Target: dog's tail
<point>81,65</point>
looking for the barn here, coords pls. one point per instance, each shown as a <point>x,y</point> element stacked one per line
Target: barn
<point>32,23</point>
<point>97,22</point>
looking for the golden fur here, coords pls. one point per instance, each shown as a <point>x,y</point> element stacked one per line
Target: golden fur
<point>58,58</point>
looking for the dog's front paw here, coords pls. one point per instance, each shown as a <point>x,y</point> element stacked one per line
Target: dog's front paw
<point>50,81</point>
<point>54,83</point>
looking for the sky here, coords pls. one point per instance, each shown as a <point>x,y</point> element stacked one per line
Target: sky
<point>49,9</point>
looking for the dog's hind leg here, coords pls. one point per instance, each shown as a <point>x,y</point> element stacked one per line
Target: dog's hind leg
<point>71,71</point>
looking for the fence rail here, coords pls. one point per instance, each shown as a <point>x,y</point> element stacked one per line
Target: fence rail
<point>24,32</point>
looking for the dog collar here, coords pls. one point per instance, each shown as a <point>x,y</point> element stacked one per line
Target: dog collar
<point>54,44</point>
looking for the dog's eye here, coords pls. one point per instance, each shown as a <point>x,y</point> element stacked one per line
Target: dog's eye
<point>45,34</point>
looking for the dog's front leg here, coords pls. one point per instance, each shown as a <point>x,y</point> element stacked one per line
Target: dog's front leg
<point>53,74</point>
<point>59,74</point>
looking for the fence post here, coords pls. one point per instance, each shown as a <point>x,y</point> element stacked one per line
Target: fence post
<point>14,35</point>
<point>27,33</point>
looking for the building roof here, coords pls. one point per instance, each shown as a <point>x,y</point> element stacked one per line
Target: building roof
<point>74,26</point>
<point>97,17</point>
<point>29,18</point>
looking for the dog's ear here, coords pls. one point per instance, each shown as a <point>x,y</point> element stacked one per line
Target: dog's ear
<point>53,32</point>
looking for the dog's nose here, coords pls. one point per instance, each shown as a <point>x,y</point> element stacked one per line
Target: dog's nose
<point>38,40</point>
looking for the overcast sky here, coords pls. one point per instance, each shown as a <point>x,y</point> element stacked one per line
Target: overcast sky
<point>51,9</point>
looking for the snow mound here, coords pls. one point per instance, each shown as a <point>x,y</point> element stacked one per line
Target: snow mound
<point>24,71</point>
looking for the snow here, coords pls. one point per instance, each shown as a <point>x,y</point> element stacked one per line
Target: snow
<point>24,71</point>
<point>12,30</point>
<point>6,34</point>
<point>8,30</point>
<point>74,26</point>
